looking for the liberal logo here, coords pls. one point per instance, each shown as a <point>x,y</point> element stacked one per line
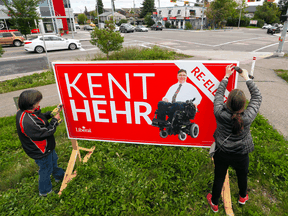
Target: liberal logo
<point>83,129</point>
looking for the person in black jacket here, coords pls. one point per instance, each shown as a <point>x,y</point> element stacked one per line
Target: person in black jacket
<point>37,138</point>
<point>232,135</point>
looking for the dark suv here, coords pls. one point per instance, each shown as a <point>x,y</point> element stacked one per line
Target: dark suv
<point>156,27</point>
<point>126,28</point>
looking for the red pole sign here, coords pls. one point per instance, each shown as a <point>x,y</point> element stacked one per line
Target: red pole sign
<point>116,100</point>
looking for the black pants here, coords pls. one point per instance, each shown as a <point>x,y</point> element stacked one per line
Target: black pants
<point>166,108</point>
<point>222,161</point>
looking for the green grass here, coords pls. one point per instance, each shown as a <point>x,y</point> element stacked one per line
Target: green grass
<point>283,74</point>
<point>131,179</point>
<point>131,53</point>
<point>252,27</point>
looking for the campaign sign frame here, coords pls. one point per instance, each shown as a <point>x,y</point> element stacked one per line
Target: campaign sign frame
<point>115,101</point>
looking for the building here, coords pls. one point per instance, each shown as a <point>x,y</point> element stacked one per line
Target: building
<point>179,15</point>
<point>106,16</point>
<point>55,14</point>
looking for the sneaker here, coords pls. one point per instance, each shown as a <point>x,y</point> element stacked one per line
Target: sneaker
<point>45,195</point>
<point>213,207</point>
<point>243,200</point>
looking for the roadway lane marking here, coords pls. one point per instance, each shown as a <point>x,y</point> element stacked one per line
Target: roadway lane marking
<point>144,42</point>
<point>238,41</point>
<point>267,46</point>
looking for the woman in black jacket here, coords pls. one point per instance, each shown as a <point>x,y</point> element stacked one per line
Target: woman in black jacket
<point>232,135</point>
<point>37,138</point>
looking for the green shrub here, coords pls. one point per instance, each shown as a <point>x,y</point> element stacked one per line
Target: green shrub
<point>260,23</point>
<point>188,26</point>
<point>167,25</point>
<point>123,21</point>
<point>173,26</point>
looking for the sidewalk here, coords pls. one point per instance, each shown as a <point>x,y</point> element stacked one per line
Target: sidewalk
<point>274,90</point>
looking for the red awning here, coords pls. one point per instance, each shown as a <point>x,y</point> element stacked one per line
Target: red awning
<point>165,19</point>
<point>172,18</point>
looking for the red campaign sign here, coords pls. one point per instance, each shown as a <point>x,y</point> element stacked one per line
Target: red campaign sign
<point>115,101</point>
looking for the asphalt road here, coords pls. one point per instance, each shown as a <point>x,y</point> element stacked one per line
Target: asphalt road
<point>16,60</point>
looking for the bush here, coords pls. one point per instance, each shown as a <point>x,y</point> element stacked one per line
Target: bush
<point>173,26</point>
<point>260,23</point>
<point>167,25</point>
<point>122,21</point>
<point>188,26</point>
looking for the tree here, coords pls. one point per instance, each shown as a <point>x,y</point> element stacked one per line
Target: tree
<point>269,12</point>
<point>86,11</point>
<point>123,21</point>
<point>218,11</point>
<point>148,20</point>
<point>107,40</point>
<point>93,14</point>
<point>23,13</point>
<point>82,18</point>
<point>100,6</point>
<point>1,51</point>
<point>148,7</point>
<point>283,6</point>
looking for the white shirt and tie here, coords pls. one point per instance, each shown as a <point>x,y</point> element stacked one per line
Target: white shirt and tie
<point>186,92</point>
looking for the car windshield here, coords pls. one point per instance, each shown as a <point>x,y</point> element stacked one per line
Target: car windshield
<point>17,33</point>
<point>140,26</point>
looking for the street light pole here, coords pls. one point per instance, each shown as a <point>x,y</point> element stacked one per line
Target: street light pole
<point>240,16</point>
<point>97,14</point>
<point>112,4</point>
<point>282,38</point>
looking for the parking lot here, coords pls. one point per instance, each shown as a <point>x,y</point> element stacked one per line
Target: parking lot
<point>220,44</point>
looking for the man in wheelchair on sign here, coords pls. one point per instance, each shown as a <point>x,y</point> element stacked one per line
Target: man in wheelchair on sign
<point>179,105</point>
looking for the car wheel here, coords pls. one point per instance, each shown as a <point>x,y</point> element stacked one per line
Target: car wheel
<point>125,31</point>
<point>72,46</point>
<point>39,49</point>
<point>17,43</point>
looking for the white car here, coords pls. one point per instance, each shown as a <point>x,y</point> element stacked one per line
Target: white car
<point>53,42</point>
<point>266,26</point>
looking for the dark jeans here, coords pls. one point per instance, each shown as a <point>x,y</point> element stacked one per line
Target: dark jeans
<point>166,108</point>
<point>48,166</point>
<point>222,161</point>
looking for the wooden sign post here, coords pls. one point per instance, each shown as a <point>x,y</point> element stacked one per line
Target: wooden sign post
<point>75,152</point>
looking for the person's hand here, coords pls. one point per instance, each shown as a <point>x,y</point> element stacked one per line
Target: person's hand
<point>165,99</point>
<point>244,74</point>
<point>57,116</point>
<point>229,70</point>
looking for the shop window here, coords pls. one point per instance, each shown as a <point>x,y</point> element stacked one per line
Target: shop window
<point>169,12</point>
<point>179,11</point>
<point>192,12</point>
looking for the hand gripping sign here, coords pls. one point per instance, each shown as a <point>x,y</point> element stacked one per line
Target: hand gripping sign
<point>116,101</point>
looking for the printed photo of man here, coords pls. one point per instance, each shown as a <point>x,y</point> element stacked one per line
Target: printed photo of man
<point>176,97</point>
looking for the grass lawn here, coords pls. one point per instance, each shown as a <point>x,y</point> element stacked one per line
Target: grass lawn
<point>283,74</point>
<point>131,179</point>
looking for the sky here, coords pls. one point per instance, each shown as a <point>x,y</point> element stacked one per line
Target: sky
<point>79,6</point>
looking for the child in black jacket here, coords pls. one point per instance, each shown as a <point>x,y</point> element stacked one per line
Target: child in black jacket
<point>37,137</point>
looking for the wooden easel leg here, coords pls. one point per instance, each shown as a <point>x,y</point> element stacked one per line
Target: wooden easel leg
<point>226,196</point>
<point>75,152</point>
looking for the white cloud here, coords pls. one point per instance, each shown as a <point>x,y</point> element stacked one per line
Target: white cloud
<point>79,6</point>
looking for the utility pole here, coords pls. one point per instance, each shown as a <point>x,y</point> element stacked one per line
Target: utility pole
<point>134,12</point>
<point>240,14</point>
<point>282,38</point>
<point>97,14</point>
<point>72,26</point>
<point>112,4</point>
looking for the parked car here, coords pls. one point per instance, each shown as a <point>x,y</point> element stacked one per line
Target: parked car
<point>117,28</point>
<point>141,28</point>
<point>126,28</point>
<point>52,42</point>
<point>156,27</point>
<point>77,26</point>
<point>266,26</point>
<point>273,30</point>
<point>92,25</point>
<point>88,28</point>
<point>11,38</point>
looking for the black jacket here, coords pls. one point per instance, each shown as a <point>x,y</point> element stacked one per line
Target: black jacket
<point>36,133</point>
<point>235,144</point>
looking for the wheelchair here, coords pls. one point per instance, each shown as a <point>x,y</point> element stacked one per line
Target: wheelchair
<point>180,123</point>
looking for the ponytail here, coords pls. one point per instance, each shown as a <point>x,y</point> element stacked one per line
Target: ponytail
<point>238,125</point>
<point>236,103</point>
